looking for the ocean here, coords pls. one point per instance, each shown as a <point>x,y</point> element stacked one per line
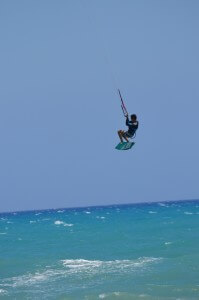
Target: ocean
<point>138,251</point>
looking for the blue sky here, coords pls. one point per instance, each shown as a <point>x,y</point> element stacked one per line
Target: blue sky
<point>61,63</point>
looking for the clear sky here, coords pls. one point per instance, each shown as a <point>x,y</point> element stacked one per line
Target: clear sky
<point>60,65</point>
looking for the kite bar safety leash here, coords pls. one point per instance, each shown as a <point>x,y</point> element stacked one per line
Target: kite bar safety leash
<point>125,112</point>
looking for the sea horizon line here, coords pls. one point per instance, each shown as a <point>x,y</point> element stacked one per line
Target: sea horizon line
<point>97,206</point>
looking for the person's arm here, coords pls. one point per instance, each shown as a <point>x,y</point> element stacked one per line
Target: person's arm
<point>127,120</point>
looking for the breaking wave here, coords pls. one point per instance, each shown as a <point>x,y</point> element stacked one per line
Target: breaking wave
<point>83,267</point>
<point>98,266</point>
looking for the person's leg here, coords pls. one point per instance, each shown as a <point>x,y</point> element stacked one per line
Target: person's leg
<point>120,135</point>
<point>125,137</point>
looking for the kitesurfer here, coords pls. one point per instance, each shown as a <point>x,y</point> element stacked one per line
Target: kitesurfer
<point>132,127</point>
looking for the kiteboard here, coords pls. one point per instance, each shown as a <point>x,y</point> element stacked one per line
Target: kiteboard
<point>125,146</point>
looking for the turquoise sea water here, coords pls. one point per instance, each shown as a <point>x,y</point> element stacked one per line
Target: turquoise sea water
<point>141,251</point>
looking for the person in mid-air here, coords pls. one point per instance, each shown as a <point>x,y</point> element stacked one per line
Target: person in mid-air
<point>132,125</point>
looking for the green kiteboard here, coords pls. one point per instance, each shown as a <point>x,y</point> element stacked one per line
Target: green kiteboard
<point>125,146</point>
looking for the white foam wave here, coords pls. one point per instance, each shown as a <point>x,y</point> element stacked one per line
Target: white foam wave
<point>188,213</point>
<point>62,223</point>
<point>60,211</point>
<point>79,267</point>
<point>3,233</point>
<point>162,204</point>
<point>168,243</point>
<point>3,292</point>
<point>152,212</point>
<point>59,222</point>
<point>87,212</point>
<point>102,296</point>
<point>32,222</point>
<point>30,279</point>
<point>81,263</point>
<point>95,266</point>
<point>116,293</point>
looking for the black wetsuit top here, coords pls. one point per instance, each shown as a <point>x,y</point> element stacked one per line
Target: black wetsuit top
<point>133,126</point>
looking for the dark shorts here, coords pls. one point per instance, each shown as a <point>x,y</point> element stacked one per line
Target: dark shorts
<point>128,135</point>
